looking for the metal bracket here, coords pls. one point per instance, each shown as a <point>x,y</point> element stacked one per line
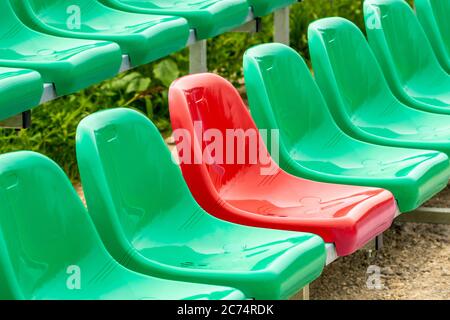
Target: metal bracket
<point>427,215</point>
<point>331,253</point>
<point>303,294</point>
<point>192,38</point>
<point>49,93</point>
<point>126,63</point>
<point>19,121</point>
<point>23,120</point>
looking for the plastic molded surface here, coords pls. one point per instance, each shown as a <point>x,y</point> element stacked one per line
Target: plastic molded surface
<point>433,15</point>
<point>20,90</point>
<point>70,64</point>
<point>284,96</point>
<point>144,38</point>
<point>47,242</point>
<point>359,97</point>
<point>406,56</point>
<point>150,222</point>
<point>264,7</point>
<point>208,17</point>
<point>257,192</point>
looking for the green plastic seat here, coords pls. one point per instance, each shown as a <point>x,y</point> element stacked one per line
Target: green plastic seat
<point>20,90</point>
<point>262,8</point>
<point>69,64</point>
<point>209,18</point>
<point>144,38</point>
<point>359,97</point>
<point>150,222</point>
<point>433,15</point>
<point>49,248</point>
<point>406,56</point>
<point>283,96</point>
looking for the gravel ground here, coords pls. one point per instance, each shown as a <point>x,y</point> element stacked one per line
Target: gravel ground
<point>413,264</point>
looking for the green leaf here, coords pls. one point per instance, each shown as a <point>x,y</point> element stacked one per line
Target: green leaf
<point>166,71</point>
<point>138,85</point>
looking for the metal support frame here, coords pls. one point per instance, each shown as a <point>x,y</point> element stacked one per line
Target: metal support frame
<point>379,242</point>
<point>198,57</point>
<point>331,253</point>
<point>19,121</point>
<point>126,63</point>
<point>253,26</point>
<point>281,26</point>
<point>302,294</point>
<point>427,215</point>
<point>23,120</point>
<point>49,93</point>
<point>198,61</point>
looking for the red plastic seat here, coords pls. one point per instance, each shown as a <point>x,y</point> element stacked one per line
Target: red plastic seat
<point>247,192</point>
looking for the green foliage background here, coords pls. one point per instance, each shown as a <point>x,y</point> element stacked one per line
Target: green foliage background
<point>145,88</point>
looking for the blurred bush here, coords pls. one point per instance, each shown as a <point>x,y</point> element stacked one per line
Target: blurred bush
<point>145,88</point>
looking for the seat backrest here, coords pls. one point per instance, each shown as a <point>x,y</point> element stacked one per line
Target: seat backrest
<point>283,94</point>
<point>43,224</point>
<point>10,24</point>
<point>39,6</point>
<point>398,41</point>
<point>345,68</point>
<point>225,140</point>
<point>128,176</point>
<point>433,15</point>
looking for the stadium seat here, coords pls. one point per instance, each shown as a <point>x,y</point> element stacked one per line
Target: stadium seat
<point>150,222</point>
<point>209,18</point>
<point>49,248</point>
<point>406,57</point>
<point>144,38</point>
<point>262,8</point>
<point>283,96</point>
<point>433,15</point>
<point>359,97</point>
<point>70,64</point>
<point>20,90</point>
<point>235,182</point>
